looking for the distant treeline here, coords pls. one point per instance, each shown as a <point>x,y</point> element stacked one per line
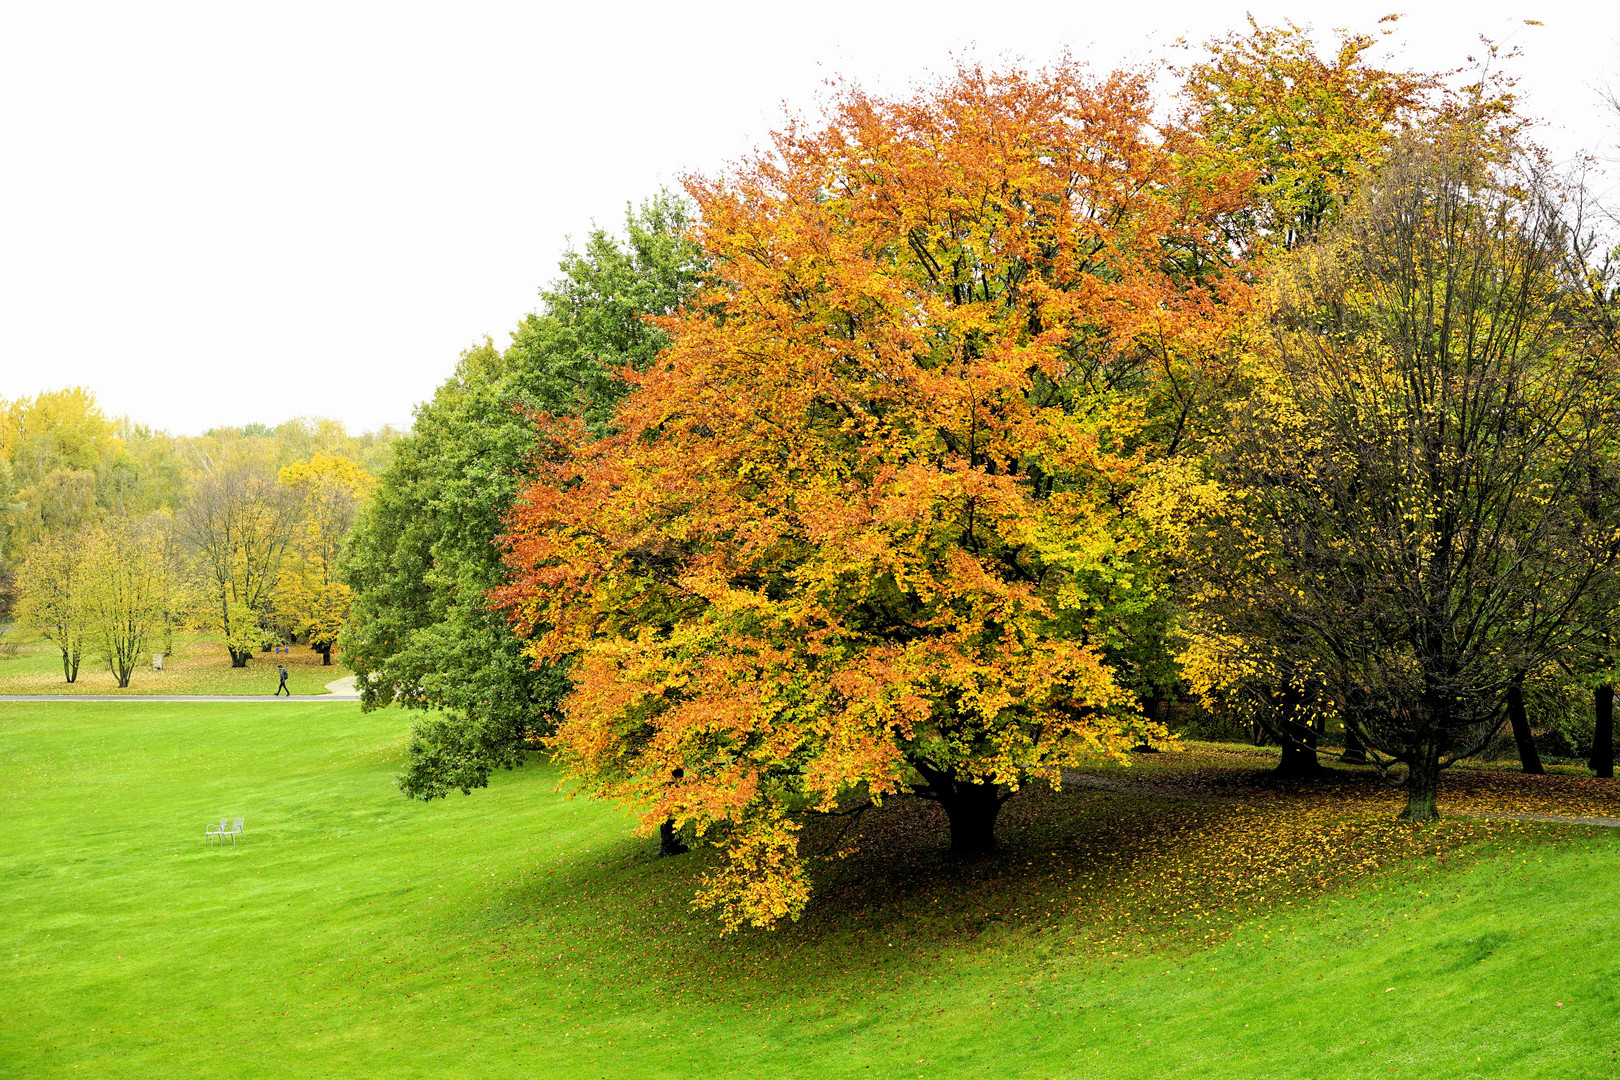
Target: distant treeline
<point>113,534</point>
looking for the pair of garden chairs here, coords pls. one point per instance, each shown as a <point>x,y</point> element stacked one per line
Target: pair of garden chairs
<point>226,828</point>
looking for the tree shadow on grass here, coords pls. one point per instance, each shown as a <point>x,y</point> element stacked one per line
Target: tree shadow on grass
<point>1080,874</point>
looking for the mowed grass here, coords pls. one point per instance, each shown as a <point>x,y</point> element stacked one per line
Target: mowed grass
<point>521,933</point>
<point>199,665</point>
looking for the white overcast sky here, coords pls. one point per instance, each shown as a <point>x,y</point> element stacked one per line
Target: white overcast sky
<point>219,213</point>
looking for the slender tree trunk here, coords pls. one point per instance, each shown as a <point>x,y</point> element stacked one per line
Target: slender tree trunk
<point>1423,783</point>
<point>1528,757</point>
<point>70,670</point>
<point>1603,736</point>
<point>1355,751</point>
<point>1150,709</point>
<point>326,656</point>
<point>669,841</point>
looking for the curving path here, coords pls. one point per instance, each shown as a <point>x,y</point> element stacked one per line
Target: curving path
<point>337,690</point>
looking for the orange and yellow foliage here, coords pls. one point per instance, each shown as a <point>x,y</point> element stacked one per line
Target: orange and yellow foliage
<point>860,529</point>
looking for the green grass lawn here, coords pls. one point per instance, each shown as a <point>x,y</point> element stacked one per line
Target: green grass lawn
<point>521,933</point>
<point>198,665</point>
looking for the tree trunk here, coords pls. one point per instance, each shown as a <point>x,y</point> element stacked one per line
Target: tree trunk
<point>1603,735</point>
<point>973,812</point>
<point>326,656</point>
<point>1355,751</point>
<point>1422,784</point>
<point>1298,743</point>
<point>1528,757</point>
<point>1150,709</point>
<point>1298,759</point>
<point>669,842</point>
<point>239,659</point>
<point>69,671</point>
<point>971,808</point>
<point>1297,738</point>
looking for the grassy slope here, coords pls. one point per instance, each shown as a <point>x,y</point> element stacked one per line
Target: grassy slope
<point>198,666</point>
<point>518,933</point>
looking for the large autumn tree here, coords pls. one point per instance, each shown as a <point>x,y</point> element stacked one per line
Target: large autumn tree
<point>858,532</point>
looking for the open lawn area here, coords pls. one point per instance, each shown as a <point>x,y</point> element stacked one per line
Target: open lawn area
<point>199,665</point>
<point>1171,920</point>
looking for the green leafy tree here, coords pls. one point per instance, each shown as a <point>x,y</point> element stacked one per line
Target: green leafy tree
<point>564,360</point>
<point>9,508</point>
<point>422,557</point>
<point>144,473</point>
<point>1309,127</point>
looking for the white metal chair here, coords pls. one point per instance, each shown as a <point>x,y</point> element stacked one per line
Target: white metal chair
<point>218,833</point>
<point>236,830</point>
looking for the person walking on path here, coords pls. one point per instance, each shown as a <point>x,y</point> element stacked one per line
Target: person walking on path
<point>283,687</point>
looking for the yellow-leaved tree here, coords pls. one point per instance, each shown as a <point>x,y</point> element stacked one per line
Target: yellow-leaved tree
<point>51,590</point>
<point>127,585</point>
<point>310,601</point>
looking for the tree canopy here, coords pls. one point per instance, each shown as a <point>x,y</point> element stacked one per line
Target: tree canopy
<point>859,530</point>
<point>1412,511</point>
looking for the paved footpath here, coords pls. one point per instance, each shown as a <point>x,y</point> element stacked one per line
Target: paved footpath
<point>300,698</point>
<point>337,690</point>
